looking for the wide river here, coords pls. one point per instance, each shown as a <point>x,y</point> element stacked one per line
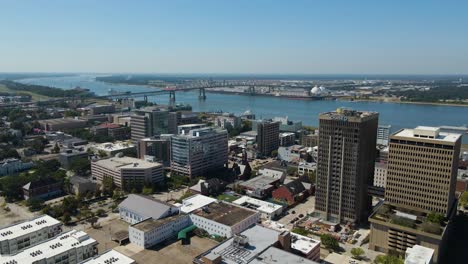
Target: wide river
<point>395,114</point>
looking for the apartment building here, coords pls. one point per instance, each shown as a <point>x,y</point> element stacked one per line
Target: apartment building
<point>148,122</point>
<point>267,137</point>
<point>346,157</point>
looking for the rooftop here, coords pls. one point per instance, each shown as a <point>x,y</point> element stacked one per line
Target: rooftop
<point>108,257</point>
<point>343,114</point>
<point>428,133</point>
<point>224,213</point>
<point>303,244</point>
<point>260,182</point>
<point>109,146</point>
<point>145,206</point>
<point>50,248</point>
<point>257,204</point>
<point>275,255</point>
<point>26,227</point>
<point>61,121</point>
<point>117,163</point>
<point>195,202</point>
<point>418,255</point>
<point>150,223</point>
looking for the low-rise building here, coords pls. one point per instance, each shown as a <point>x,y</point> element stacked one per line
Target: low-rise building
<point>419,255</point>
<point>111,130</point>
<point>59,124</point>
<point>310,140</point>
<point>125,147</point>
<point>151,231</point>
<point>137,208</point>
<point>68,156</point>
<point>267,209</point>
<point>306,168</point>
<point>293,192</point>
<point>305,246</point>
<point>287,125</point>
<point>127,172</point>
<point>81,185</point>
<point>227,121</point>
<point>70,247</point>
<point>12,166</point>
<point>110,257</point>
<point>224,219</point>
<point>260,186</point>
<point>256,245</point>
<point>28,233</point>
<point>43,189</point>
<point>195,202</point>
<point>98,109</point>
<point>211,186</point>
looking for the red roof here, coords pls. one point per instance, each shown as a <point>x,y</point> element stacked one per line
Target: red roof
<point>108,125</point>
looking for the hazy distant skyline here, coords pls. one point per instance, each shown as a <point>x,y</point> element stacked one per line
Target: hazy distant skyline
<point>257,37</point>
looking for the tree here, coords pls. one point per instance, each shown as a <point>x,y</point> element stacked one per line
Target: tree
<point>92,220</point>
<point>35,204</point>
<point>81,166</point>
<point>147,190</point>
<point>357,252</point>
<point>102,153</point>
<point>98,192</point>
<point>300,231</point>
<point>388,259</point>
<point>464,198</point>
<point>66,218</point>
<point>329,242</point>
<point>108,186</point>
<point>274,153</point>
<point>56,148</point>
<point>435,218</point>
<point>101,212</point>
<point>38,145</point>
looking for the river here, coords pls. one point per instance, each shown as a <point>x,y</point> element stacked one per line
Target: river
<point>395,114</point>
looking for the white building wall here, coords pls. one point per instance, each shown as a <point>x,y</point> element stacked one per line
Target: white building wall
<point>246,223</point>
<point>210,226</point>
<point>380,175</point>
<point>159,234</point>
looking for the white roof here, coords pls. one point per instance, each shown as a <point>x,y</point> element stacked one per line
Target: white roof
<point>51,248</point>
<point>116,163</point>
<point>263,206</point>
<point>442,136</point>
<point>303,244</point>
<point>195,202</point>
<point>109,146</point>
<point>419,255</point>
<point>26,227</point>
<point>110,256</point>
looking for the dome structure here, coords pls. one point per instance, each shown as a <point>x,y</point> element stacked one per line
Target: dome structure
<point>315,90</point>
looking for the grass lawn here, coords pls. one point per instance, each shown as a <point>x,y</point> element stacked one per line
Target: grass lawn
<point>227,198</point>
<point>35,97</point>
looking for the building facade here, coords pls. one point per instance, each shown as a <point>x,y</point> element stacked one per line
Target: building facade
<point>267,137</point>
<point>199,151</point>
<point>157,148</point>
<point>148,122</point>
<point>126,172</point>
<point>380,174</point>
<point>151,232</point>
<point>346,157</point>
<point>383,134</point>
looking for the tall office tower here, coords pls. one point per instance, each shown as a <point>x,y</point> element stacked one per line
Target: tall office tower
<point>383,134</point>
<point>346,156</point>
<point>421,179</point>
<point>198,151</point>
<point>181,118</point>
<point>422,169</point>
<point>157,148</point>
<point>148,122</point>
<point>267,137</point>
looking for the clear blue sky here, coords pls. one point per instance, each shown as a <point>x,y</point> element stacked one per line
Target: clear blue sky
<point>409,37</point>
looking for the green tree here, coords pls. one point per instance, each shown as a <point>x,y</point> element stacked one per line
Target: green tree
<point>38,145</point>
<point>274,153</point>
<point>101,212</point>
<point>66,218</point>
<point>357,252</point>
<point>108,186</point>
<point>464,198</point>
<point>434,217</point>
<point>56,148</point>
<point>147,190</point>
<point>388,259</point>
<point>102,153</point>
<point>35,204</point>
<point>329,242</point>
<point>300,231</point>
<point>81,166</point>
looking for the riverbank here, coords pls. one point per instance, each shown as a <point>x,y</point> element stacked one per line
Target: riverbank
<point>408,102</point>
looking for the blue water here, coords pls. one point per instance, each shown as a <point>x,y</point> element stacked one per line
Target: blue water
<point>397,115</point>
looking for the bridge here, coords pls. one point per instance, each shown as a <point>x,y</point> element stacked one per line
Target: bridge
<point>252,88</point>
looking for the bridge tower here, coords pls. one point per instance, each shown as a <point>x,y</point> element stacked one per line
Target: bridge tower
<point>145,98</point>
<point>201,94</point>
<point>252,90</point>
<point>171,97</point>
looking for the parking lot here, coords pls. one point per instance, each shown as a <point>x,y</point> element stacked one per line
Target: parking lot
<point>303,208</point>
<point>107,230</point>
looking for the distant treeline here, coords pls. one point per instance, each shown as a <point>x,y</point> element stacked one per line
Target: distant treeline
<point>42,90</point>
<point>16,76</point>
<point>435,94</point>
<point>141,79</point>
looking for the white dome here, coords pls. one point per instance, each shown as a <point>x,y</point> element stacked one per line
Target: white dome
<point>315,90</point>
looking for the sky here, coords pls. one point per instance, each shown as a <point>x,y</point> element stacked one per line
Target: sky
<point>238,36</point>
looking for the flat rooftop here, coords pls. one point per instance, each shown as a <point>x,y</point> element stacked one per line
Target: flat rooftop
<point>275,255</point>
<point>195,202</point>
<point>26,227</point>
<point>151,224</point>
<point>260,182</point>
<point>109,146</point>
<point>116,163</point>
<point>419,255</point>
<point>257,204</point>
<point>145,206</point>
<point>224,213</point>
<point>303,244</point>
<point>442,137</point>
<point>61,121</point>
<point>109,257</point>
<point>50,248</point>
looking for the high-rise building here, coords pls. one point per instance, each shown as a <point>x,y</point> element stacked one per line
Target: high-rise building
<point>148,122</point>
<point>346,157</point>
<point>421,181</point>
<point>198,151</point>
<point>422,169</point>
<point>267,137</point>
<point>383,133</point>
<point>157,148</point>
<point>181,118</point>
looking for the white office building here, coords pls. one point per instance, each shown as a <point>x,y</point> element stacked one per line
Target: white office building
<point>383,134</point>
<point>268,210</point>
<point>380,174</point>
<point>16,237</point>
<point>306,168</point>
<point>69,248</point>
<point>151,232</point>
<point>224,219</point>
